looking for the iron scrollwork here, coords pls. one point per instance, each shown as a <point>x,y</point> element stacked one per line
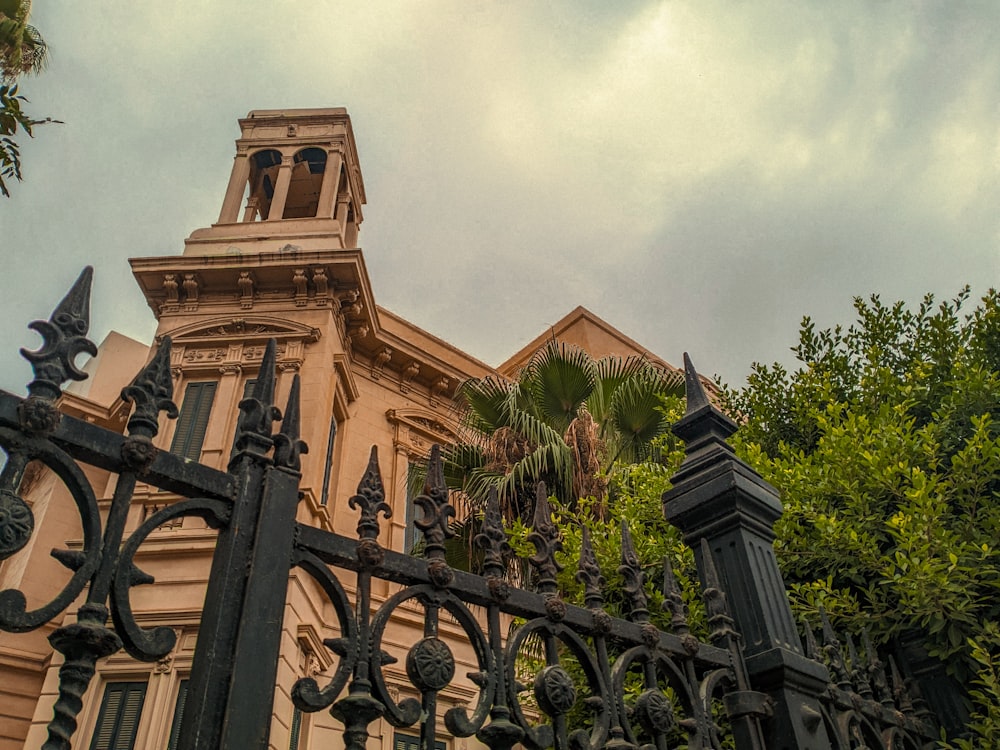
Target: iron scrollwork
<point>101,566</point>
<point>600,682</point>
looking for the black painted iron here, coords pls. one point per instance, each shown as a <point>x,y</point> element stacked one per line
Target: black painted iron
<point>753,667</point>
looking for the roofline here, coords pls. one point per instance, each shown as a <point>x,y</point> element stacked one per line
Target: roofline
<point>521,357</point>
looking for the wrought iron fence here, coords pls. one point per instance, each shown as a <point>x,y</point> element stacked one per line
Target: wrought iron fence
<point>599,681</point>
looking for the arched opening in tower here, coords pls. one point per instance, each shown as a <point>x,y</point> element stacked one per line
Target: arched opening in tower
<point>308,166</point>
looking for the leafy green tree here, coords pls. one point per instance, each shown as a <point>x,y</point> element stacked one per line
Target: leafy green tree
<point>885,444</point>
<point>12,118</point>
<point>22,50</point>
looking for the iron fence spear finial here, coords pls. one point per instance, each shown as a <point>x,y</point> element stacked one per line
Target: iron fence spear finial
<point>634,578</point>
<point>65,337</point>
<point>152,391</point>
<point>589,574</point>
<point>258,412</point>
<point>287,445</point>
<point>545,536</point>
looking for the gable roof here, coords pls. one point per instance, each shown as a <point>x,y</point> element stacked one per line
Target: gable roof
<point>591,333</point>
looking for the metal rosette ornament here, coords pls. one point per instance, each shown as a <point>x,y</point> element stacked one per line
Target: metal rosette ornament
<point>554,688</point>
<point>655,711</point>
<point>430,663</point>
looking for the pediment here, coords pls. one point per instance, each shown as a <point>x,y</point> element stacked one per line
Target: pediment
<point>418,429</point>
<point>244,327</point>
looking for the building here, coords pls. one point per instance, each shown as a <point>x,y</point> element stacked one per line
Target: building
<point>282,262</point>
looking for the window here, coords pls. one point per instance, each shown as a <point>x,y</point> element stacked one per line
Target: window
<point>118,719</point>
<point>402,741</point>
<point>195,410</point>
<point>175,726</point>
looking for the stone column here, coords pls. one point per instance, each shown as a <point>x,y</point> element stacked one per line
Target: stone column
<point>343,204</point>
<point>719,498</point>
<point>330,185</point>
<point>234,192</point>
<point>351,234</point>
<point>281,189</point>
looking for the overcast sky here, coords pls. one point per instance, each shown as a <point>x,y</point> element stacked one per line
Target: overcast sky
<point>700,174</point>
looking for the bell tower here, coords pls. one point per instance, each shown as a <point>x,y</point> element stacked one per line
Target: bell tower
<point>296,184</point>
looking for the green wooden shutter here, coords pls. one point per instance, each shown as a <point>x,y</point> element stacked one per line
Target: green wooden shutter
<point>118,720</point>
<point>402,741</point>
<point>193,421</point>
<point>175,726</point>
<point>293,741</point>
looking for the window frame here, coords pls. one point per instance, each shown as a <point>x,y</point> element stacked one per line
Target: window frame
<point>113,741</point>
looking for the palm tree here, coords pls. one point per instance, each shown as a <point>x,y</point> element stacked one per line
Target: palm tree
<point>567,420</point>
<point>22,48</point>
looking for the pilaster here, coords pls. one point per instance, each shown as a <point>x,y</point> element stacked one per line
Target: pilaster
<point>281,186</point>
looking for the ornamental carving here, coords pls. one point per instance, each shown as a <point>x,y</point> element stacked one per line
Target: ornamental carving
<point>430,664</point>
<point>655,712</point>
<point>245,283</point>
<point>242,327</point>
<point>163,665</point>
<point>381,360</point>
<point>301,283</point>
<point>257,352</point>
<point>554,690</point>
<point>321,282</point>
<point>204,355</point>
<point>409,373</point>
<point>416,429</point>
<point>431,424</point>
<point>238,327</point>
<point>170,288</point>
<point>16,523</point>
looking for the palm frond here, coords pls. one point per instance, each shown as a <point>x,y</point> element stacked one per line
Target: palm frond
<point>560,378</point>
<point>552,463</point>
<point>485,403</point>
<point>636,415</point>
<point>611,373</point>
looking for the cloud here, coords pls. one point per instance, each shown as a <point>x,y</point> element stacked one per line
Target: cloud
<point>700,173</point>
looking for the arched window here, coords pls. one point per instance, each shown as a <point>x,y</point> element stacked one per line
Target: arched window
<point>263,176</point>
<point>308,166</point>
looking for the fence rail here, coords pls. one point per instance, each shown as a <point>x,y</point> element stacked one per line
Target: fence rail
<point>598,681</point>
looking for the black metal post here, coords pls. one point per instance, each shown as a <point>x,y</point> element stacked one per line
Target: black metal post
<point>218,636</point>
<point>251,695</point>
<point>718,498</point>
